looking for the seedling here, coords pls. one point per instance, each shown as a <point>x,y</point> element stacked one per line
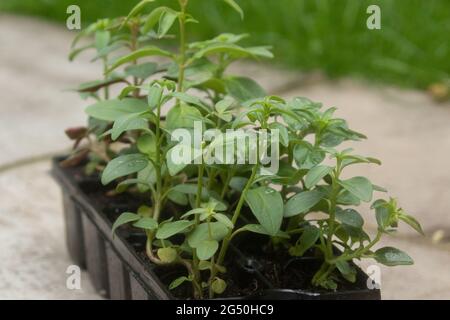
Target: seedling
<point>220,201</point>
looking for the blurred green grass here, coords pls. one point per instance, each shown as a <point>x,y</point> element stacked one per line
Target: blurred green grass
<point>412,48</point>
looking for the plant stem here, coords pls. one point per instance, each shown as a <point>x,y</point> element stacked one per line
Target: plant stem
<point>105,68</point>
<point>211,178</point>
<point>184,262</point>
<point>237,212</point>
<point>332,217</point>
<point>230,175</point>
<point>133,47</point>
<point>182,59</point>
<point>210,290</point>
<point>332,213</point>
<point>198,199</point>
<point>156,212</point>
<point>359,252</point>
<point>323,273</point>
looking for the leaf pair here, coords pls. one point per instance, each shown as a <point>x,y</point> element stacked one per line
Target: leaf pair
<point>146,223</point>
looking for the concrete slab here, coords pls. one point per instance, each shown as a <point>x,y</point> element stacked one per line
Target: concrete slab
<point>33,255</point>
<point>35,71</point>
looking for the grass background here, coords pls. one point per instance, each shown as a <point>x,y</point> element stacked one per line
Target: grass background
<point>412,48</point>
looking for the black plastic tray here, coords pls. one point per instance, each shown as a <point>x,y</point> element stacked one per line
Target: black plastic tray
<point>118,272</point>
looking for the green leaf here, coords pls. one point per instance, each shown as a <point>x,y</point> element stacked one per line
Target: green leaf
<point>167,255</point>
<point>232,50</point>
<point>197,73</point>
<point>302,202</point>
<point>75,52</point>
<point>182,116</point>
<point>206,249</point>
<point>244,89</point>
<point>301,152</point>
<point>124,218</point>
<point>178,197</point>
<point>226,116</point>
<point>308,238</point>
<point>187,98</point>
<point>257,228</point>
<point>283,132</point>
<point>316,174</point>
<point>306,156</point>
<point>141,71</point>
<point>201,233</point>
<point>154,17</point>
<point>354,159</point>
<point>236,7</point>
<point>177,166</point>
<point>111,110</point>
<point>145,211</point>
<point>223,105</point>
<point>390,256</point>
<point>147,144</point>
<point>106,51</point>
<point>127,123</point>
<point>94,86</point>
<point>189,188</point>
<point>267,206</point>
<point>102,38</point>
<point>123,166</point>
<point>328,283</point>
<point>83,33</point>
<point>356,234</point>
<point>168,229</point>
<point>177,282</point>
<point>204,265</point>
<point>378,188</point>
<point>382,214</point>
<point>123,186</point>
<point>238,183</point>
<point>347,271</point>
<point>350,217</point>
<point>147,175</point>
<point>136,10</point>
<point>141,53</point>
<point>346,198</point>
<point>218,285</point>
<point>166,20</point>
<point>379,203</point>
<point>194,211</point>
<point>359,186</point>
<point>146,223</point>
<point>98,127</point>
<point>224,220</point>
<point>126,91</point>
<point>154,96</point>
<point>412,222</point>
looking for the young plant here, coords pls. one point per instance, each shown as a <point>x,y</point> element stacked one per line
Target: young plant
<point>106,37</point>
<point>196,93</point>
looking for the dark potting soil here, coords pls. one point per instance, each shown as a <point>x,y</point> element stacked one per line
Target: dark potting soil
<point>247,273</point>
<point>286,272</point>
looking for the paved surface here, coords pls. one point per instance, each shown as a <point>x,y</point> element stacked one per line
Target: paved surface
<point>406,130</point>
<point>33,255</point>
